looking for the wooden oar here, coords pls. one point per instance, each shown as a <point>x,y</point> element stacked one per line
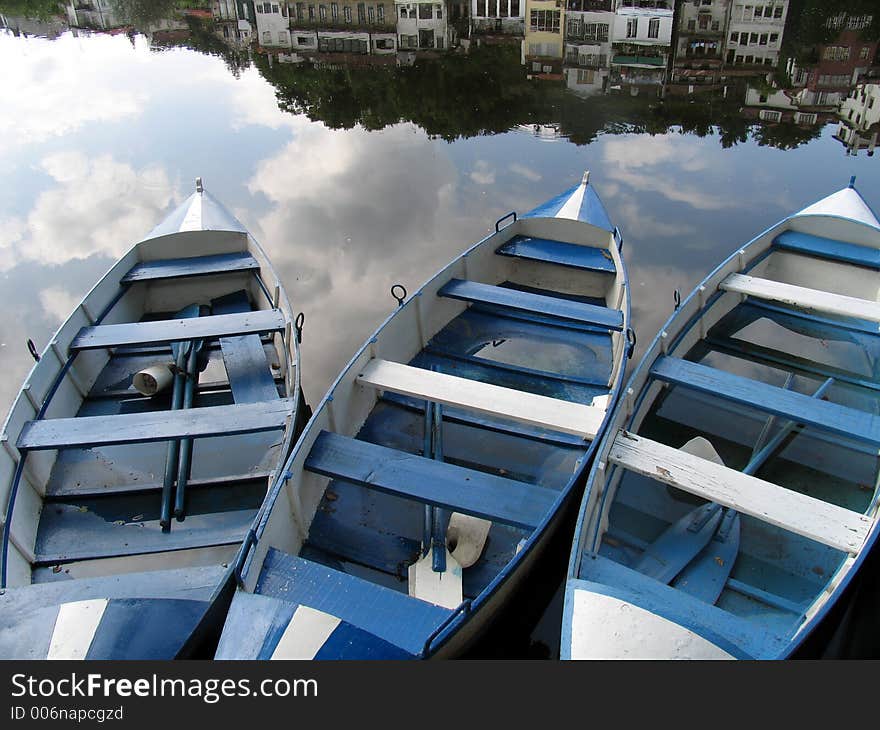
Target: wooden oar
<point>180,350</point>
<point>185,459</point>
<point>707,574</point>
<point>436,576</point>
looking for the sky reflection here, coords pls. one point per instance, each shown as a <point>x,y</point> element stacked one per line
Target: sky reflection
<point>103,136</point>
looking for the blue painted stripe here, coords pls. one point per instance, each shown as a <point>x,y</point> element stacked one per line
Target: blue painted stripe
<point>859,425</point>
<point>146,628</point>
<point>561,253</point>
<point>828,248</point>
<point>473,291</point>
<point>350,642</point>
<point>425,480</point>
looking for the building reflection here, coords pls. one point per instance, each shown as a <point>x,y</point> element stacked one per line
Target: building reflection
<point>778,69</point>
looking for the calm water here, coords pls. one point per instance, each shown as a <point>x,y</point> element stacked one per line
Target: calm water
<point>355,181</point>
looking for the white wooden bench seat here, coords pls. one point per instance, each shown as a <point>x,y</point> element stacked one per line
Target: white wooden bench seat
<point>538,410</point>
<point>826,523</point>
<point>799,296</point>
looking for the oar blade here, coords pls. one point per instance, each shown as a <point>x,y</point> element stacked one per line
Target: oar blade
<point>707,574</point>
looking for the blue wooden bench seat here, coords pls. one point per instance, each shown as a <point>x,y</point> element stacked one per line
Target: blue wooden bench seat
<point>586,258</point>
<point>473,291</point>
<point>433,482</point>
<point>828,248</point>
<point>247,369</point>
<point>88,431</point>
<point>850,422</point>
<point>384,612</point>
<point>173,330</point>
<point>224,263</point>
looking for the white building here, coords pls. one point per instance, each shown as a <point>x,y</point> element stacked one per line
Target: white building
<point>498,16</point>
<point>641,41</point>
<point>754,35</point>
<point>273,24</point>
<point>421,25</point>
<point>860,119</point>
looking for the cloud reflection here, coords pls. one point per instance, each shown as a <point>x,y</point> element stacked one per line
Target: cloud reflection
<point>97,207</point>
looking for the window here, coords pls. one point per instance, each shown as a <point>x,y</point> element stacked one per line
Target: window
<point>753,39</point>
<point>300,11</point>
<point>802,118</point>
<point>334,11</point>
<point>426,38</point>
<point>385,44</point>
<point>282,38</point>
<point>545,20</point>
<point>514,8</point>
<point>774,37</point>
<point>362,13</point>
<point>704,21</point>
<point>769,115</point>
<point>440,42</point>
<point>763,40</point>
<point>596,32</point>
<point>836,53</point>
<point>311,12</point>
<point>865,53</point>
<point>347,13</point>
<point>734,38</point>
<point>371,15</point>
<point>408,41</point>
<point>632,27</point>
<point>692,25</point>
<point>777,11</point>
<point>654,28</point>
<point>403,13</point>
<point>716,25</point>
<point>303,40</point>
<point>380,11</point>
<point>267,36</point>
<point>438,13</point>
<point>274,9</point>
<point>322,12</point>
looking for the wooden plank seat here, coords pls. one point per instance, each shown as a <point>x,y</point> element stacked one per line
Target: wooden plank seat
<point>473,291</point>
<point>850,422</point>
<point>826,523</point>
<point>433,482</point>
<point>224,263</point>
<point>382,611</point>
<point>172,330</point>
<point>799,296</point>
<point>828,248</point>
<point>538,410</point>
<point>561,253</point>
<point>88,431</point>
<point>247,369</point>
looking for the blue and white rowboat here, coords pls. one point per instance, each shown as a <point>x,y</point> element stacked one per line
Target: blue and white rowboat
<point>124,503</point>
<point>734,496</point>
<point>437,467</point>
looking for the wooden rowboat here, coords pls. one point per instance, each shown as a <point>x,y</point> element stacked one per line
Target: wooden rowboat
<point>734,496</point>
<point>124,502</point>
<point>439,463</point>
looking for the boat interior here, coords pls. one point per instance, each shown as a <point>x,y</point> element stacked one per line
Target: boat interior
<point>462,421</point>
<point>751,519</point>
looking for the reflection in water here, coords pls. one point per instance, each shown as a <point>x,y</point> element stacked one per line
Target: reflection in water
<point>367,143</point>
